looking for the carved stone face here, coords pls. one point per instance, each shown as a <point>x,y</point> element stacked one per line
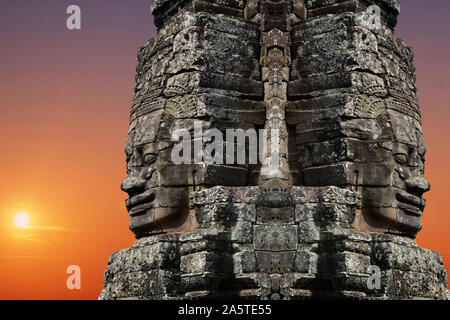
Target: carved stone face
<point>398,207</point>
<point>153,208</point>
<point>381,157</point>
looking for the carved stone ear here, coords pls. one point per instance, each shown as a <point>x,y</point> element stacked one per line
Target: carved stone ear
<point>300,9</point>
<point>251,9</point>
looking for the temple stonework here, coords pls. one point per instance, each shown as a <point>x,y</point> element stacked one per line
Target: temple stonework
<point>344,206</point>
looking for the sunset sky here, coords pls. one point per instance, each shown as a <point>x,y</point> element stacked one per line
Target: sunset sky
<point>65,98</point>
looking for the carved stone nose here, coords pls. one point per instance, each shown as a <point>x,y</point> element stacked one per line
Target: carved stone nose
<point>418,184</point>
<point>133,183</point>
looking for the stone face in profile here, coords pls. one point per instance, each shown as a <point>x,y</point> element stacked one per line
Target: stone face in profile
<point>372,148</point>
<point>154,207</point>
<point>406,181</point>
<point>346,194</point>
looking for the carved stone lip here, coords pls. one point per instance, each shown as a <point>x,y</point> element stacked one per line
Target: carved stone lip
<point>413,204</point>
<point>407,197</point>
<point>140,209</point>
<point>136,201</point>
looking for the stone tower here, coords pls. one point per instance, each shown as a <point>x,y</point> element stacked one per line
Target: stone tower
<point>342,207</point>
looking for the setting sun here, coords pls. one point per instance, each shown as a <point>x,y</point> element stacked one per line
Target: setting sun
<point>21,220</point>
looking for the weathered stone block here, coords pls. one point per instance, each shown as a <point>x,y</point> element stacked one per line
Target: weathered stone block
<point>305,212</point>
<point>275,262</point>
<point>242,232</point>
<point>308,232</point>
<point>275,215</point>
<point>305,262</point>
<point>275,238</point>
<point>351,263</point>
<point>204,263</point>
<point>245,211</point>
<point>244,262</point>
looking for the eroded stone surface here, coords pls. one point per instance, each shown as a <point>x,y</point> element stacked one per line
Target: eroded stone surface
<point>234,255</point>
<point>348,194</point>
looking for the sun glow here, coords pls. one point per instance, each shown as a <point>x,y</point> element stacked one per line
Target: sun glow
<point>21,220</point>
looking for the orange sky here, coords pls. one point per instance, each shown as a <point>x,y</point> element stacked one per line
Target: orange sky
<point>64,100</point>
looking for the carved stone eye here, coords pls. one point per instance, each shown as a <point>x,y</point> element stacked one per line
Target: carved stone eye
<point>149,153</point>
<point>401,157</point>
<point>149,158</point>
